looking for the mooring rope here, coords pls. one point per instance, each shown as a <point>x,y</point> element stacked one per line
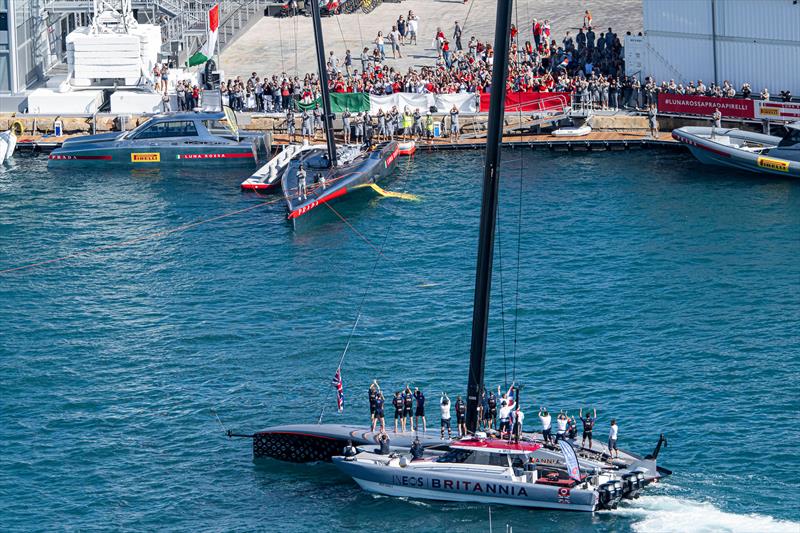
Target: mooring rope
<point>128,242</point>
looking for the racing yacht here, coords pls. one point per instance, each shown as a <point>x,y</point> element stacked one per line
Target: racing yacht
<point>558,468</point>
<point>331,173</point>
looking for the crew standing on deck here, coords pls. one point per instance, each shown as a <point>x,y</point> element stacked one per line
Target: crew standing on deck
<point>544,418</point>
<point>518,418</point>
<point>612,438</point>
<point>445,407</point>
<point>561,422</point>
<point>461,416</point>
<point>717,116</point>
<point>429,126</point>
<point>588,426</point>
<point>359,124</point>
<point>373,395</point>
<point>379,403</point>
<point>346,125</point>
<point>301,182</point>
<point>492,403</point>
<point>397,402</point>
<point>504,416</point>
<point>420,411</point>
<point>408,404</point>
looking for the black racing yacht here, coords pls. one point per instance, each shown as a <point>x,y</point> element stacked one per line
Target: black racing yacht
<point>317,442</point>
<point>320,175</point>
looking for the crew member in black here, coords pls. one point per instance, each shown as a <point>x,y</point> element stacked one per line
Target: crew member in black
<point>420,411</point>
<point>416,450</point>
<point>373,393</point>
<point>572,428</point>
<point>408,408</point>
<point>397,402</point>
<point>461,417</point>
<point>379,401</point>
<point>588,426</point>
<point>492,402</point>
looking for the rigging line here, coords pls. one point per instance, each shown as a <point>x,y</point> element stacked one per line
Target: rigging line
<point>464,27</point>
<point>280,35</point>
<point>148,236</point>
<point>380,251</point>
<point>358,315</point>
<point>502,299</point>
<point>519,234</point>
<point>296,69</point>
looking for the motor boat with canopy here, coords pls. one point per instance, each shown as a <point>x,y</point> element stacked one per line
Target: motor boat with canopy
<point>745,150</point>
<point>190,139</point>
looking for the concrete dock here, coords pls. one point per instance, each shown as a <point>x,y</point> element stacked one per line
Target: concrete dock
<point>274,45</point>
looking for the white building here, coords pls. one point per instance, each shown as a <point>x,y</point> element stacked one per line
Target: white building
<point>754,41</point>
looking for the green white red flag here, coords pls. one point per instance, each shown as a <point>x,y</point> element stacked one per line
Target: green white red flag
<point>211,42</point>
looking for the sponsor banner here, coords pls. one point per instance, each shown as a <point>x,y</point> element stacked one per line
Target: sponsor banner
<point>529,101</point>
<point>65,157</point>
<point>215,156</point>
<point>705,105</point>
<point>571,459</point>
<point>773,164</point>
<point>145,157</point>
<point>778,110</point>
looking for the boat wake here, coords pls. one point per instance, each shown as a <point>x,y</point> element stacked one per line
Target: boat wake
<point>666,513</point>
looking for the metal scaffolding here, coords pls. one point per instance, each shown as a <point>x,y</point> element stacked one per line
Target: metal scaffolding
<point>183,22</point>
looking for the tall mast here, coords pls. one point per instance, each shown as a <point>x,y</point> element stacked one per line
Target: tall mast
<point>323,81</point>
<point>483,275</point>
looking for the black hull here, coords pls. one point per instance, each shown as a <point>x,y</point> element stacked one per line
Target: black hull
<point>364,170</point>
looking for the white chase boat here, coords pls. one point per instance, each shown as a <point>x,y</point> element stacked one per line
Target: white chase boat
<point>484,470</point>
<point>744,150</point>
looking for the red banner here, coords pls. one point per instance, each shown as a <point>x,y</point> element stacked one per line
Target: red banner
<point>705,105</point>
<point>531,101</point>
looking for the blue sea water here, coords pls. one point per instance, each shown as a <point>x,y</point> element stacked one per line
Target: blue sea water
<point>664,293</point>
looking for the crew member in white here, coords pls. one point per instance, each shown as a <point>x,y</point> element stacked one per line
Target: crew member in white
<point>612,439</point>
<point>445,407</point>
<point>544,417</point>
<point>504,416</point>
<point>561,421</point>
<point>518,417</point>
<point>301,182</point>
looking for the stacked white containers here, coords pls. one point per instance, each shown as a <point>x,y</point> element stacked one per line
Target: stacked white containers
<point>757,42</point>
<point>129,56</point>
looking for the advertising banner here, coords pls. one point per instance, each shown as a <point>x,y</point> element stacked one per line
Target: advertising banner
<point>529,101</point>
<point>705,105</point>
<point>778,110</point>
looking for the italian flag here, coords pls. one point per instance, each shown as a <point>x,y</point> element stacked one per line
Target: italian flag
<point>211,42</point>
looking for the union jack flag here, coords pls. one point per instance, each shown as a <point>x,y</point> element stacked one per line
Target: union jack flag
<point>337,382</point>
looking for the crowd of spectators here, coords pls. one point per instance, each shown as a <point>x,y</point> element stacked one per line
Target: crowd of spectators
<point>589,65</point>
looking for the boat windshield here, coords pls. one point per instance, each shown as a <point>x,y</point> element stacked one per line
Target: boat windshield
<point>218,127</point>
<point>470,457</point>
<point>454,456</point>
<point>172,128</point>
<point>792,138</point>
